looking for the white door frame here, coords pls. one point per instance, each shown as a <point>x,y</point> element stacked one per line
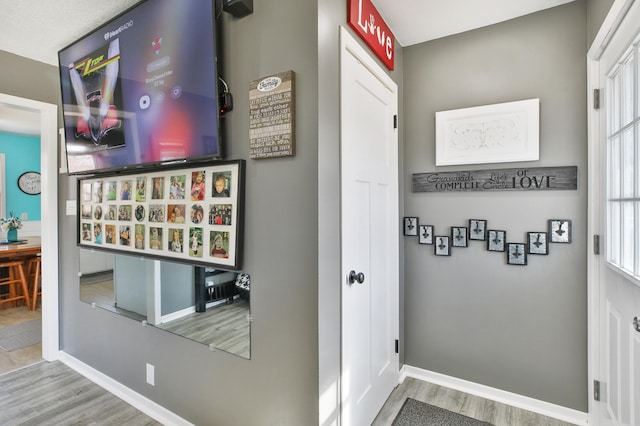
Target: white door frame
<point>3,186</point>
<point>610,25</point>
<point>349,45</point>
<point>49,217</point>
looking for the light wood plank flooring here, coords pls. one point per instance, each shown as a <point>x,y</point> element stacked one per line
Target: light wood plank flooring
<point>45,393</point>
<point>53,394</point>
<point>469,405</point>
<point>225,326</point>
<point>24,356</point>
<point>99,292</point>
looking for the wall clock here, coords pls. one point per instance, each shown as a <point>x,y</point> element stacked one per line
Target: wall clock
<point>29,183</point>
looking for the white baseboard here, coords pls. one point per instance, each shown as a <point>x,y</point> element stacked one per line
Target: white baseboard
<point>177,315</point>
<point>498,395</point>
<point>142,403</point>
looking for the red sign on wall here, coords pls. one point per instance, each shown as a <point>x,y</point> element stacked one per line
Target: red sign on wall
<point>365,20</point>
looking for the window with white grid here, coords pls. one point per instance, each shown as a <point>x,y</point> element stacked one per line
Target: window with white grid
<point>623,164</point>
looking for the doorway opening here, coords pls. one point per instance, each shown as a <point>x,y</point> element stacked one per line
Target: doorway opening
<point>47,118</point>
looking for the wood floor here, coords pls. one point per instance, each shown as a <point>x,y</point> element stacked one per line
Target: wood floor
<point>35,392</point>
<point>225,327</point>
<point>469,405</point>
<point>24,356</point>
<point>53,394</point>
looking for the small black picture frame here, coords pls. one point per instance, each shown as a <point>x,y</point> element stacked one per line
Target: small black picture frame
<point>496,240</point>
<point>442,245</point>
<point>477,229</point>
<point>516,254</point>
<point>537,243</point>
<point>425,235</point>
<point>560,231</point>
<point>410,226</point>
<point>459,236</point>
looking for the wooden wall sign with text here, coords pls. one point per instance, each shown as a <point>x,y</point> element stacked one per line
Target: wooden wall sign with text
<point>522,179</point>
<point>367,22</point>
<point>272,113</point>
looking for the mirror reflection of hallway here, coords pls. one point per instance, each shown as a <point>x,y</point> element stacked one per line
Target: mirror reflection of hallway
<point>164,295</point>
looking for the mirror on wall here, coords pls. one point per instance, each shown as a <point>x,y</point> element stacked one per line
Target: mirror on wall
<point>206,305</point>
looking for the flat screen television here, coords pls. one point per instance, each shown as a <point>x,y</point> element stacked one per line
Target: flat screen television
<point>142,89</point>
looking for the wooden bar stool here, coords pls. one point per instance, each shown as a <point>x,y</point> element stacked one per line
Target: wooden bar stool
<point>34,274</point>
<point>15,283</point>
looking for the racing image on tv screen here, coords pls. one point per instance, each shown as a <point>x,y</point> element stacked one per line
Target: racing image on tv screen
<point>96,86</point>
<point>142,89</point>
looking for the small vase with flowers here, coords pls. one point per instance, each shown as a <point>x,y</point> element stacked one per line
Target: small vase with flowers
<point>11,225</point>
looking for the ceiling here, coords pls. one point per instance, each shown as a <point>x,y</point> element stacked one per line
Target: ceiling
<point>416,21</point>
<point>37,29</point>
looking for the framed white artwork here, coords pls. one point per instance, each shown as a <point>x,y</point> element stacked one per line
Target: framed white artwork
<point>499,133</point>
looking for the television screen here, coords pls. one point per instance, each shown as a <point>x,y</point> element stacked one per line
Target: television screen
<point>142,89</point>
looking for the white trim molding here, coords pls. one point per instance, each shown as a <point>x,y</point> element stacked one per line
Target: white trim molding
<point>617,13</point>
<point>48,126</point>
<point>515,400</point>
<point>136,400</point>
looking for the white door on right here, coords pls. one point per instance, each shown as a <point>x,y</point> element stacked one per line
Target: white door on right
<point>370,233</point>
<point>619,212</point>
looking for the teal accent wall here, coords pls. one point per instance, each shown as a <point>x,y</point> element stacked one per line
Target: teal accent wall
<point>22,154</point>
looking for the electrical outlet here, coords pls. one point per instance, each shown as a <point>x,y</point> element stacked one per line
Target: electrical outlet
<point>151,374</point>
<point>24,216</point>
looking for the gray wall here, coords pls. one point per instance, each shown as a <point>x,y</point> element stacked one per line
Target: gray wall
<point>596,12</point>
<point>279,385</point>
<point>535,317</point>
<point>29,79</point>
<point>472,316</point>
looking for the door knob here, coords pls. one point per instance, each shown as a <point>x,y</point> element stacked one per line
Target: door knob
<point>353,277</point>
<point>636,323</point>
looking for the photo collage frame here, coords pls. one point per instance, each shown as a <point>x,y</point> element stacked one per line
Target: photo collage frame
<point>192,214</point>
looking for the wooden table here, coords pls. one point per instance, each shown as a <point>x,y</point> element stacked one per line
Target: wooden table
<point>21,251</point>
<point>30,247</point>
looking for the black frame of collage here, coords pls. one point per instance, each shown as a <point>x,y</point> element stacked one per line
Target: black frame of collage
<point>191,214</point>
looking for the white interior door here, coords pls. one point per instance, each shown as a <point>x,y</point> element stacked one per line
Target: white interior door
<point>370,235</point>
<point>617,185</point>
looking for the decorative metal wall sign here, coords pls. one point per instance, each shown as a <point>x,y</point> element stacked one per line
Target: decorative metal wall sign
<point>520,179</point>
<point>272,116</point>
